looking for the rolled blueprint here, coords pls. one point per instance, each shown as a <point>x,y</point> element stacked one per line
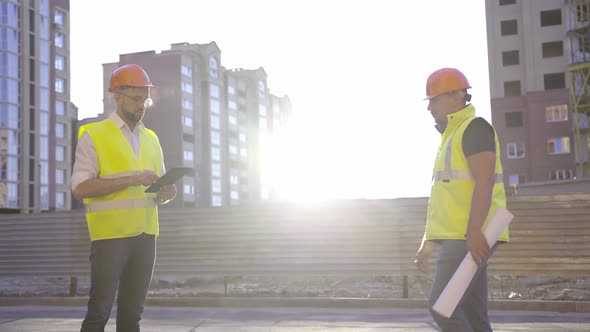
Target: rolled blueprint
<point>449,298</point>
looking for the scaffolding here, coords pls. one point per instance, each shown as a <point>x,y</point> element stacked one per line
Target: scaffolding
<point>578,24</point>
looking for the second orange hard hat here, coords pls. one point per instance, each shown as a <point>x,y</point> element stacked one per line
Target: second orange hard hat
<point>129,75</point>
<point>445,80</point>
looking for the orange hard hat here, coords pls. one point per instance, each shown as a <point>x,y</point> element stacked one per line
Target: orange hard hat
<point>445,80</point>
<point>129,75</point>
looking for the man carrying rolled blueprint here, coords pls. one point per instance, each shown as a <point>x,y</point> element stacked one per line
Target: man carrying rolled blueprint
<point>467,188</point>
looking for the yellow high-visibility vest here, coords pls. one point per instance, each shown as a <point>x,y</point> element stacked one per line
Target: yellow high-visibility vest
<point>128,212</point>
<point>452,183</point>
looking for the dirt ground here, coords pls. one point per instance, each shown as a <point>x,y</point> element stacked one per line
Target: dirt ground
<point>500,287</point>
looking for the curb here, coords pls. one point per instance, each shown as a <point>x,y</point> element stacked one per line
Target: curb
<point>515,305</point>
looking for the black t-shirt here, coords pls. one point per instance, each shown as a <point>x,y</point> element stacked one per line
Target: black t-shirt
<point>478,137</point>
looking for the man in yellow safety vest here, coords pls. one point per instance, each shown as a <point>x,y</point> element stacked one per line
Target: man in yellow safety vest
<point>115,160</point>
<point>467,187</point>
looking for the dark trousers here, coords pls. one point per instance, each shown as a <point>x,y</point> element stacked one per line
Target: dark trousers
<point>471,314</point>
<point>125,264</point>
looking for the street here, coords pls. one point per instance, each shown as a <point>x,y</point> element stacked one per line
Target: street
<point>68,318</point>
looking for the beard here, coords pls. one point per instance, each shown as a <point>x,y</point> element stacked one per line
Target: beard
<point>131,116</point>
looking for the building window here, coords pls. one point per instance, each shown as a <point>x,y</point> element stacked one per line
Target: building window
<point>231,90</point>
<point>188,155</point>
<point>214,122</point>
<point>9,115</point>
<point>44,123</point>
<point>44,172</point>
<point>508,28</point>
<point>9,91</point>
<point>551,17</point>
<point>512,88</point>
<point>213,70</point>
<point>510,58</point>
<point>552,49</point>
<point>214,90</point>
<point>233,149</point>
<point>234,195</point>
<point>44,99</point>
<point>516,179</point>
<point>216,169</point>
<point>583,12</point>
<point>556,113</point>
<point>515,150</point>
<point>216,200</point>
<point>187,104</point>
<point>262,110</point>
<point>60,200</point>
<point>186,87</point>
<point>60,85</point>
<point>187,121</point>
<point>513,119</point>
<point>216,185</point>
<point>43,147</point>
<point>60,175</point>
<point>60,152</point>
<point>44,69</point>
<point>232,105</point>
<point>188,189</point>
<point>215,137</point>
<point>262,123</point>
<point>60,130</point>
<point>59,39</point>
<point>583,45</point>
<point>58,18</point>
<point>561,174</point>
<point>8,144</point>
<point>186,71</point>
<point>60,107</point>
<point>214,104</point>
<point>215,154</point>
<point>44,51</point>
<point>507,2</point>
<point>554,81</point>
<point>559,145</point>
<point>261,90</point>
<point>233,120</point>
<point>60,62</point>
<point>9,65</point>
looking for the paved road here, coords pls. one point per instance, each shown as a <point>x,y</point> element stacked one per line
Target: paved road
<point>186,319</point>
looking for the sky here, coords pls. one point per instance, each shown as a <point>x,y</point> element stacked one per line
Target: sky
<point>354,70</point>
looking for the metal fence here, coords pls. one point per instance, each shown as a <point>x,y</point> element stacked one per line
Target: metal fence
<point>550,235</point>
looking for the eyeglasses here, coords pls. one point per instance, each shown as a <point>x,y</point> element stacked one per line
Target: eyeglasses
<point>147,102</point>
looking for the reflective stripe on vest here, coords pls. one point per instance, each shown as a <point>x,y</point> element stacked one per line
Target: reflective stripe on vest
<point>448,174</point>
<point>121,204</point>
<point>120,175</point>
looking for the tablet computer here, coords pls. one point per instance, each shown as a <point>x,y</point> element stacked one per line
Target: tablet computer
<point>170,177</point>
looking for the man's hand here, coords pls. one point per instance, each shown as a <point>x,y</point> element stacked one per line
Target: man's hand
<point>478,246</point>
<point>166,194</point>
<point>145,178</point>
<point>423,256</point>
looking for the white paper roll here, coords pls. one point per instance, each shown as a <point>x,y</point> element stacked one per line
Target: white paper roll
<point>449,298</point>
